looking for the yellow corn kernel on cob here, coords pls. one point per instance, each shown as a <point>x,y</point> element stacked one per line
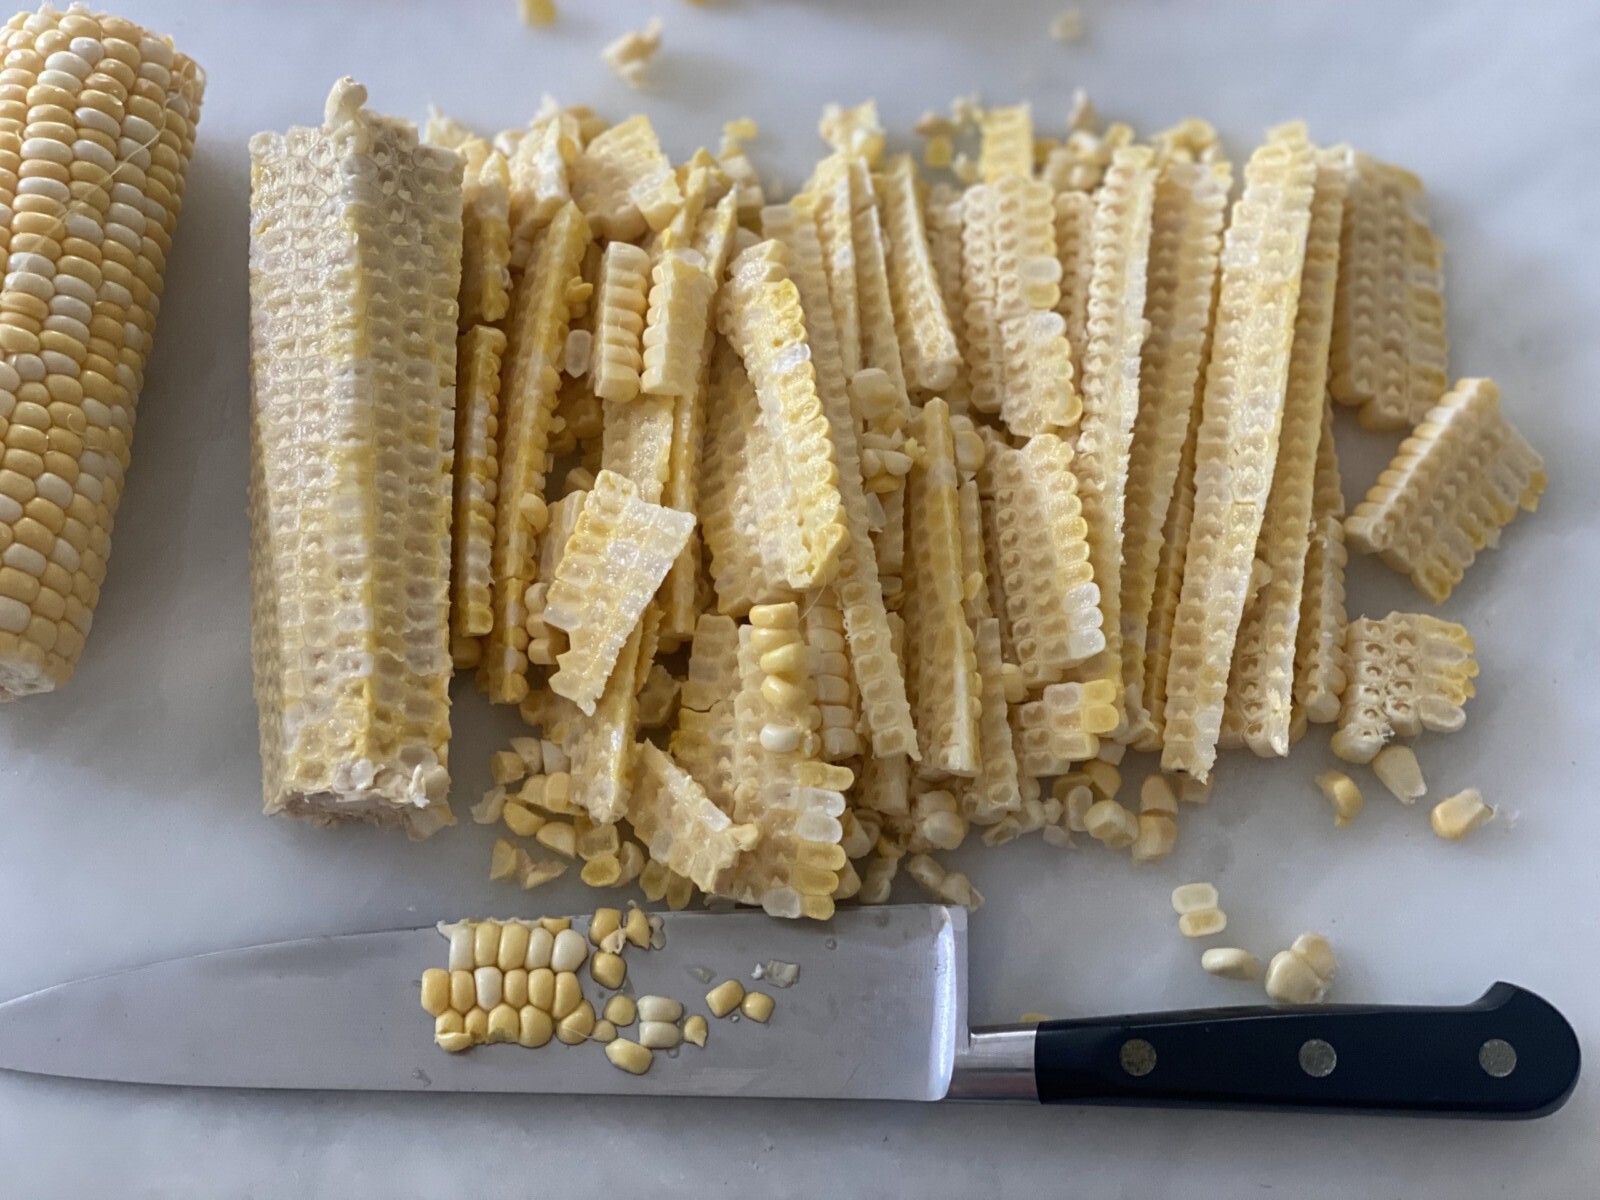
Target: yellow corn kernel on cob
<point>616,559</point>
<point>1185,241</point>
<point>1168,588</point>
<point>994,791</point>
<point>637,443</point>
<point>623,182</point>
<point>544,642</point>
<point>928,347</point>
<point>879,683</point>
<point>98,119</point>
<point>1111,362</point>
<point>1075,252</point>
<point>1007,145</point>
<point>352,399</point>
<point>680,826</point>
<point>941,663</point>
<point>1389,345</point>
<point>824,626</point>
<point>1263,253</point>
<point>540,166</point>
<point>1262,686</point>
<point>836,229</point>
<point>702,743</point>
<point>1040,553</point>
<point>794,800</point>
<point>1039,396</point>
<point>762,317</point>
<point>537,335</point>
<point>1408,672</point>
<point>477,463</point>
<point>1063,726</point>
<point>854,131</point>
<point>1319,662</point>
<point>620,305</point>
<point>681,296</point>
<point>1453,485</point>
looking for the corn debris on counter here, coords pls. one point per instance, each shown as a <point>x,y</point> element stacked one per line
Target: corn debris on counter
<point>97,125</point>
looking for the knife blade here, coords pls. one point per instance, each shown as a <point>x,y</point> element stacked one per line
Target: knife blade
<point>876,1013</point>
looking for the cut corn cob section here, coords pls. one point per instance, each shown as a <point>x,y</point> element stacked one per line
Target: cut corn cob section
<point>352,379</point>
<point>541,309</point>
<point>1121,236</point>
<point>1185,241</point>
<point>1453,485</point>
<point>1263,254</point>
<point>927,343</point>
<point>995,790</point>
<point>476,466</point>
<point>679,317</point>
<point>680,826</point>
<point>702,743</point>
<point>624,184</point>
<point>540,165</point>
<point>97,103</point>
<point>620,308</point>
<point>941,664</point>
<point>637,443</point>
<point>616,559</point>
<point>1261,689</point>
<point>1063,726</point>
<point>1319,663</point>
<point>1408,672</point>
<point>1007,145</point>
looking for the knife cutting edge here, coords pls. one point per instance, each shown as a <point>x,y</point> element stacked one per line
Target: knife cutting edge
<point>879,1011</point>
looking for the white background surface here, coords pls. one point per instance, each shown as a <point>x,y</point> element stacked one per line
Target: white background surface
<point>129,802</point>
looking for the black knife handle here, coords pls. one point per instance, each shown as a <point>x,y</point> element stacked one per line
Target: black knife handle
<point>1509,1055</point>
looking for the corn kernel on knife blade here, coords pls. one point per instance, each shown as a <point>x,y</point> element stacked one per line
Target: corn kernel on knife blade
<point>877,1012</point>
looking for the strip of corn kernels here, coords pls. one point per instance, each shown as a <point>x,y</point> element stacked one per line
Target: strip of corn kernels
<point>541,308</point>
<point>1319,661</point>
<point>1075,250</point>
<point>1063,726</point>
<point>1185,242</point>
<point>540,168</point>
<point>1428,354</point>
<point>880,344</point>
<point>927,342</point>
<point>623,182</point>
<point>702,743</point>
<point>476,465</point>
<point>944,247</point>
<point>1111,387</point>
<point>1007,145</point>
<point>941,666</point>
<point>994,791</point>
<point>1263,254</point>
<point>600,745</point>
<point>545,642</point>
<point>824,627</point>
<point>620,306</point>
<point>980,314</point>
<point>1408,672</point>
<point>681,298</point>
<point>1262,685</point>
<point>485,222</point>
<point>1168,586</point>
<point>1454,484</point>
<point>835,227</point>
<point>679,825</point>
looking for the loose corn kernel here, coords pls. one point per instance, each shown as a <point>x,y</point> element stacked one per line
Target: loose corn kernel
<point>680,890</point>
<point>1343,794</point>
<point>1108,822</point>
<point>1291,981</point>
<point>659,1035</point>
<point>1158,833</point>
<point>542,988</point>
<point>577,1025</point>
<point>537,874</point>
<point>1194,897</point>
<point>1196,791</point>
<point>506,767</point>
<point>505,860</point>
<point>568,995</point>
<point>1104,778</point>
<point>757,1006</point>
<point>608,970</point>
<point>604,1031</point>
<point>1156,796</point>
<point>1314,948</point>
<point>1229,962</point>
<point>1455,817</point>
<point>659,1008</point>
<point>569,951</point>
<point>534,1027</point>
<point>629,1056</point>
<point>694,1030</point>
<point>725,997</point>
<point>621,1010</point>
<point>1398,770</point>
<point>637,928</point>
<point>436,991</point>
<point>559,836</point>
<point>604,922</point>
<point>1202,923</point>
<point>603,871</point>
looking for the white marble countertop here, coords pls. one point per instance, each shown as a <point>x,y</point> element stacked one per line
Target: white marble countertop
<point>130,800</point>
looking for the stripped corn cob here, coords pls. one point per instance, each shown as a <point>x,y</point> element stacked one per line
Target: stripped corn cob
<point>680,826</point>
<point>880,344</point>
<point>476,465</point>
<point>616,559</point>
<point>98,119</point>
<point>1185,239</point>
<point>835,228</point>
<point>485,221</point>
<point>994,791</point>
<point>702,743</point>
<point>941,664</point>
<point>1453,485</point>
<point>637,443</point>
<point>544,642</point>
<point>541,309</point>
<point>620,308</point>
<point>943,212</point>
<point>624,184</point>
<point>1262,684</point>
<point>679,318</point>
<point>352,377</point>
<point>1263,254</point>
<point>1319,662</point>
<point>540,166</point>
<point>927,343</point>
<point>600,745</point>
<point>1408,672</point>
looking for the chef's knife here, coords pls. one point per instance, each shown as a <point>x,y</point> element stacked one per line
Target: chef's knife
<point>878,1012</point>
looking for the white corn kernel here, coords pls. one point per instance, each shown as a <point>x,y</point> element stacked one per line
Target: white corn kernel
<point>780,739</point>
<point>1194,791</point>
<point>694,1030</point>
<point>1343,794</point>
<point>577,1025</point>
<point>436,991</point>
<point>540,943</point>
<point>1229,962</point>
<point>1156,796</point>
<point>1202,923</point>
<point>757,1006</point>
<point>608,970</point>
<point>629,1056</point>
<point>620,1011</point>
<point>1158,833</point>
<point>725,997</point>
<point>1318,955</point>
<point>1108,822</point>
<point>659,1035</point>
<point>1455,817</point>
<point>461,941</point>
<point>1290,980</point>
<point>568,995</point>
<point>659,1008</point>
<point>569,951</point>
<point>1398,770</point>
<point>1194,897</point>
<point>489,986</point>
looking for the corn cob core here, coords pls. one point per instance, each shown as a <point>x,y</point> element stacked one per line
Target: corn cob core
<point>355,261</point>
<point>97,121</point>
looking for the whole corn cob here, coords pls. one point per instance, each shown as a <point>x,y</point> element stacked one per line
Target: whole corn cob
<point>97,121</point>
<point>353,355</point>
